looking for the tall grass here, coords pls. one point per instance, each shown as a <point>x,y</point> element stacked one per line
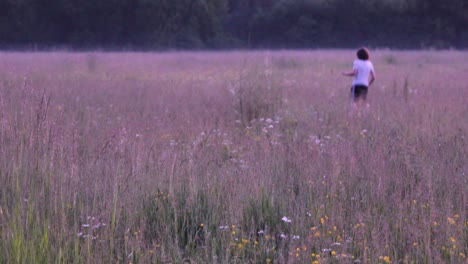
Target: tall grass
<point>240,157</point>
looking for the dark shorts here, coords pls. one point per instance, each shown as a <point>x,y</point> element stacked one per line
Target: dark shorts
<point>359,92</point>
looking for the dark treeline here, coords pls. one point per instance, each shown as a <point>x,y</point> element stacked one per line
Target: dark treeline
<point>211,24</point>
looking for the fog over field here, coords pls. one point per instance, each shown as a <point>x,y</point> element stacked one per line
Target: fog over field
<point>232,157</point>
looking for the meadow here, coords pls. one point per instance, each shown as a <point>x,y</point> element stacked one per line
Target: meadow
<point>232,157</point>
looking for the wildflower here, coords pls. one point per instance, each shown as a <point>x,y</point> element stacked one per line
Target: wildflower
<point>451,220</point>
<point>283,236</point>
<point>322,221</point>
<point>333,253</point>
<point>286,220</point>
<point>295,237</point>
<point>385,259</point>
<point>317,234</point>
<point>202,225</point>
<point>363,132</point>
<point>261,232</point>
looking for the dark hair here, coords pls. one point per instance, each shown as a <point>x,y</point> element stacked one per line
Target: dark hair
<point>363,54</point>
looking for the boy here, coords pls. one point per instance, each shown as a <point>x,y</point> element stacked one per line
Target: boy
<point>363,73</point>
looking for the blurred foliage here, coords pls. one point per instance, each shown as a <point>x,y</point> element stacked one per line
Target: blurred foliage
<point>201,24</point>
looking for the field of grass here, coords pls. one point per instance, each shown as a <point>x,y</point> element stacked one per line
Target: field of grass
<point>234,157</point>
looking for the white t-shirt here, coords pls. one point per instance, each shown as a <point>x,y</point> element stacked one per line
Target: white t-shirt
<point>363,67</point>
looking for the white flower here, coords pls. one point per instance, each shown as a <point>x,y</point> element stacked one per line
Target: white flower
<point>261,232</point>
<point>286,220</point>
<point>283,236</point>
<point>296,237</point>
<point>269,120</point>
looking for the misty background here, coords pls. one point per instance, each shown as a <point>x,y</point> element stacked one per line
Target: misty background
<point>227,24</point>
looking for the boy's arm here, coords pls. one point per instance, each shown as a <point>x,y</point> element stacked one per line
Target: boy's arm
<point>372,77</point>
<point>351,73</point>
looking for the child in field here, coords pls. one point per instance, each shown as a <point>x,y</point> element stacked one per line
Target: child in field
<point>364,75</point>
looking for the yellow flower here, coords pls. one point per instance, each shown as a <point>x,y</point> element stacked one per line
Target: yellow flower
<point>451,220</point>
<point>333,253</point>
<point>317,234</point>
<point>268,260</point>
<point>386,259</point>
<point>322,220</point>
